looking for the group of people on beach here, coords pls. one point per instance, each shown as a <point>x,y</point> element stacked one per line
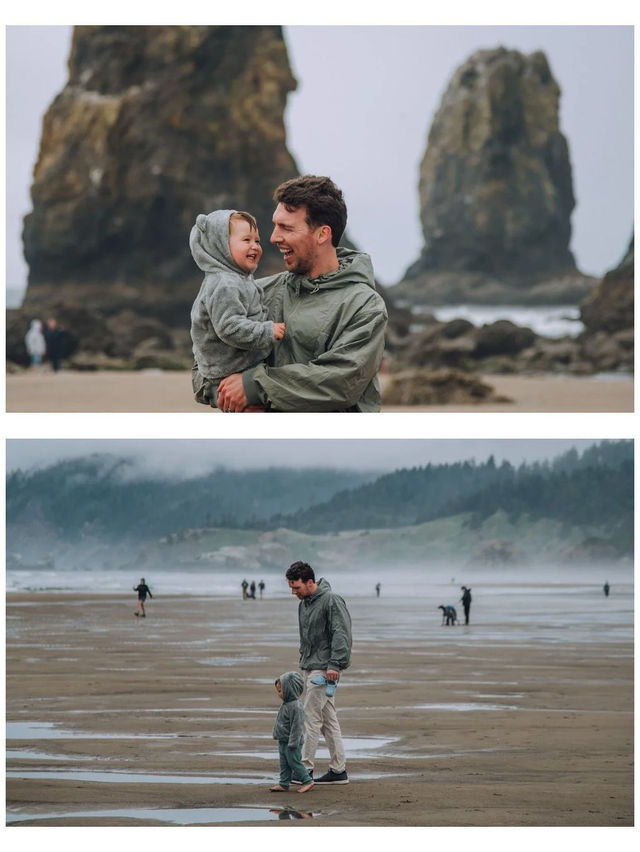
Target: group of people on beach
<point>308,339</point>
<point>44,341</point>
<point>249,589</point>
<point>449,612</point>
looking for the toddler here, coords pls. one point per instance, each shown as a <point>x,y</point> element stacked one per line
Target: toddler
<point>288,730</point>
<point>229,326</point>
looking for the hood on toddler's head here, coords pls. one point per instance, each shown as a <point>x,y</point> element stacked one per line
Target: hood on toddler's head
<point>209,242</point>
<point>292,684</point>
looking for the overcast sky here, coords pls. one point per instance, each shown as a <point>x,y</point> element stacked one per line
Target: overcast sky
<point>189,457</point>
<point>365,101</point>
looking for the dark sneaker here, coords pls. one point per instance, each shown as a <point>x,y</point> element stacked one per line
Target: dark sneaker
<point>296,780</point>
<point>332,777</point>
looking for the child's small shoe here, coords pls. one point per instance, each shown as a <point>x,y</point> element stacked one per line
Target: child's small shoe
<point>319,680</point>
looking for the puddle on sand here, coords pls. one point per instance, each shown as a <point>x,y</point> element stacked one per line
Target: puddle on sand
<point>462,707</point>
<point>114,777</point>
<point>354,747</point>
<point>173,816</point>
<point>47,731</point>
<point>33,754</point>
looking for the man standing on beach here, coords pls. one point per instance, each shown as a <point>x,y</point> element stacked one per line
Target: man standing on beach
<point>330,356</point>
<point>325,650</point>
<point>466,602</point>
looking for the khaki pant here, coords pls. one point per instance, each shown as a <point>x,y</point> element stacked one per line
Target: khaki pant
<point>321,719</point>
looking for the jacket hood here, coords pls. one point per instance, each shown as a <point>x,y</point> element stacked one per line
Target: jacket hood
<point>323,589</point>
<point>292,685</point>
<point>209,242</point>
<point>355,268</point>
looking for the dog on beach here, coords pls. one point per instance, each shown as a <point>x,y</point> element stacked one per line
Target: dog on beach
<point>449,614</point>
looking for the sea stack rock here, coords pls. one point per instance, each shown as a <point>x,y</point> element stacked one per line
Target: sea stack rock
<point>155,125</point>
<point>496,190</point>
<point>608,318</point>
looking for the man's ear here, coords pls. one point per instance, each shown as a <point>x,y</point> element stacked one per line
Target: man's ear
<point>323,234</point>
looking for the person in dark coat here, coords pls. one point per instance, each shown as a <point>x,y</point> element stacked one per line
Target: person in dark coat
<point>143,590</point>
<point>54,342</point>
<point>466,602</point>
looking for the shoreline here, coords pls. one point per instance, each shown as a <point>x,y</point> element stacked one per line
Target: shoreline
<point>155,391</point>
<point>443,726</point>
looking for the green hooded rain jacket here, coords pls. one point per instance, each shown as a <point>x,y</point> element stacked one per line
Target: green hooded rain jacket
<point>330,356</point>
<point>325,630</point>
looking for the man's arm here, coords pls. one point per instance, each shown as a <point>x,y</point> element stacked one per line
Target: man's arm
<point>340,629</point>
<point>333,381</point>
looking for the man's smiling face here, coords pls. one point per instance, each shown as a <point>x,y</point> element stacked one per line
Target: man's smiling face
<point>295,239</point>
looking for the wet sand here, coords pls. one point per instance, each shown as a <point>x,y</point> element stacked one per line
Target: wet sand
<point>158,391</point>
<point>444,726</point>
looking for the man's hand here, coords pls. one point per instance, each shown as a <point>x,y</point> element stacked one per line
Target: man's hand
<point>279,330</point>
<point>332,675</point>
<point>231,395</point>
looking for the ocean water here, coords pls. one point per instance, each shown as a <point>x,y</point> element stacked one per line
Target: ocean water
<point>549,321</point>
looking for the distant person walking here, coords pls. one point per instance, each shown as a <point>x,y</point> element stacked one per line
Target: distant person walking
<point>606,588</point>
<point>245,593</point>
<point>252,590</point>
<point>325,650</point>
<point>261,586</point>
<point>54,340</point>
<point>378,587</point>
<point>143,590</point>
<point>35,343</point>
<point>466,602</point>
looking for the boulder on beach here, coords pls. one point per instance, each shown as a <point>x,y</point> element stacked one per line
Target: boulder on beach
<point>436,387</point>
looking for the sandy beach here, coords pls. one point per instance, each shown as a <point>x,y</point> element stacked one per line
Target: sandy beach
<point>158,391</point>
<point>117,720</point>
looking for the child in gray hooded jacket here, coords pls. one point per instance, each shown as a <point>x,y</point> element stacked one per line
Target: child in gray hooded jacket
<point>289,731</point>
<point>229,326</point>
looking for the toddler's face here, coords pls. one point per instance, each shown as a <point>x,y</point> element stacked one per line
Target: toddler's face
<point>279,689</point>
<point>244,245</point>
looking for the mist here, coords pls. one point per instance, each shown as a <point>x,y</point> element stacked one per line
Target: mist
<point>182,458</point>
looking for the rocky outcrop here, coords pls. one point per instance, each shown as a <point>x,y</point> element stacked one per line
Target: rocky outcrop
<point>155,125</point>
<point>496,190</point>
<point>436,387</point>
<point>608,317</point>
<point>503,347</point>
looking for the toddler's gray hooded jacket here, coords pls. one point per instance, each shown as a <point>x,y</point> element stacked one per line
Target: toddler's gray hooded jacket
<point>229,326</point>
<point>289,724</point>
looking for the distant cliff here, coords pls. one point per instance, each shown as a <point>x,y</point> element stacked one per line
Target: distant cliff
<point>496,191</point>
<point>155,125</point>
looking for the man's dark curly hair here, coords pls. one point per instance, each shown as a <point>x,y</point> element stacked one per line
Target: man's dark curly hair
<point>300,571</point>
<point>321,197</point>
